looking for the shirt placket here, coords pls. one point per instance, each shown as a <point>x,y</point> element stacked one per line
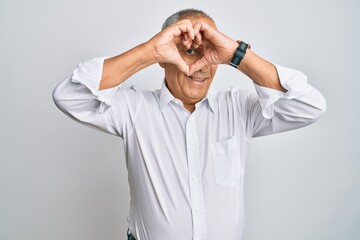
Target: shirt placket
<point>195,183</point>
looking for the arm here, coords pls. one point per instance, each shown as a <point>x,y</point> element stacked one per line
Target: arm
<point>91,95</point>
<point>262,72</point>
<point>284,99</point>
<point>220,50</point>
<point>119,68</point>
<point>161,48</point>
<point>271,111</point>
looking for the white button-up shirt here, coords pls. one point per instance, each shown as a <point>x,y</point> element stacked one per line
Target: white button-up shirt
<point>186,170</point>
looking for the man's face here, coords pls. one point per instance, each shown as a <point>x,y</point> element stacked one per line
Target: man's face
<point>190,90</point>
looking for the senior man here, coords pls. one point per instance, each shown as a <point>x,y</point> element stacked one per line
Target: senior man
<point>186,147</point>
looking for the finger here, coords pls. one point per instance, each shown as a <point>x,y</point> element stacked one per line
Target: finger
<point>186,27</point>
<point>207,43</point>
<point>185,38</point>
<point>198,39</point>
<point>197,33</point>
<point>182,66</point>
<point>207,31</point>
<point>179,28</point>
<point>186,41</point>
<point>197,27</point>
<point>195,45</point>
<point>199,64</point>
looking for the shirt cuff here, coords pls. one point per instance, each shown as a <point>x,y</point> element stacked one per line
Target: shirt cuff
<point>88,73</point>
<point>294,81</point>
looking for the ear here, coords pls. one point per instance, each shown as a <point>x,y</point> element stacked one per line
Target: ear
<point>162,65</point>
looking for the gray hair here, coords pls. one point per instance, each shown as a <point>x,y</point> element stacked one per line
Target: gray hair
<point>186,13</point>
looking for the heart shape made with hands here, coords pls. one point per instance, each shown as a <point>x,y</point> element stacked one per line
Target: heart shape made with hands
<point>198,41</point>
<point>183,33</point>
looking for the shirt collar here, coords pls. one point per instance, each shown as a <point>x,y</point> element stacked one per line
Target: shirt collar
<point>166,97</point>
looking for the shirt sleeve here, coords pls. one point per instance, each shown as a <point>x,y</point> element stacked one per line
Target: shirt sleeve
<point>271,111</point>
<point>78,96</point>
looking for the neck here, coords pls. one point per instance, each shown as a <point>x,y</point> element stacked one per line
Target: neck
<point>190,107</point>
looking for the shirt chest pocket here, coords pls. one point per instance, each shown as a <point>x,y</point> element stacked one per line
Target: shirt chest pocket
<point>226,161</point>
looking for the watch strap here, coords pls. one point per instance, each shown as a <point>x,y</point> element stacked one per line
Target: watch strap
<point>239,54</point>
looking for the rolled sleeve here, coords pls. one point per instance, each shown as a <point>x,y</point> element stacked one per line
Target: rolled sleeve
<point>78,96</point>
<point>89,74</point>
<point>294,81</point>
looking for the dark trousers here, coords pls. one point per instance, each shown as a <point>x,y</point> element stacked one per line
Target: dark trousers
<point>130,236</point>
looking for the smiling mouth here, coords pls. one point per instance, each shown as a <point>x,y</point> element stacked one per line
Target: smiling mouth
<point>197,79</point>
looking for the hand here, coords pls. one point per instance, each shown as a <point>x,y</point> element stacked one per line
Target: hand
<point>164,44</point>
<point>219,48</point>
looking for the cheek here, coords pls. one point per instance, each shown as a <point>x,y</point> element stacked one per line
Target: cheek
<point>170,71</point>
<point>213,69</point>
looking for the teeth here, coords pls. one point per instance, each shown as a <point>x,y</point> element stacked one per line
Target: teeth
<point>197,79</point>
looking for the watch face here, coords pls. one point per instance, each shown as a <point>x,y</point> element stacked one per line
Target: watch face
<point>243,46</point>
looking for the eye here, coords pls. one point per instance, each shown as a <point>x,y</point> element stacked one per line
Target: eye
<point>191,51</point>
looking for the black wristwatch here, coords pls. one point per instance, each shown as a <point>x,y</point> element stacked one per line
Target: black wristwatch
<point>239,54</point>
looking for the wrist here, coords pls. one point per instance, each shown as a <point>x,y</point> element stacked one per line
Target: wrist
<point>149,53</point>
<point>239,54</point>
<point>232,49</point>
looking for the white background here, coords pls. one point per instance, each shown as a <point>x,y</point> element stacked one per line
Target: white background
<point>61,180</point>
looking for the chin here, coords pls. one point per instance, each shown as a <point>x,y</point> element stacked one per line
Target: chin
<point>196,97</point>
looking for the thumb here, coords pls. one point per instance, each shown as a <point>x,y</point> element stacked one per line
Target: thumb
<point>182,66</point>
<point>199,64</point>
